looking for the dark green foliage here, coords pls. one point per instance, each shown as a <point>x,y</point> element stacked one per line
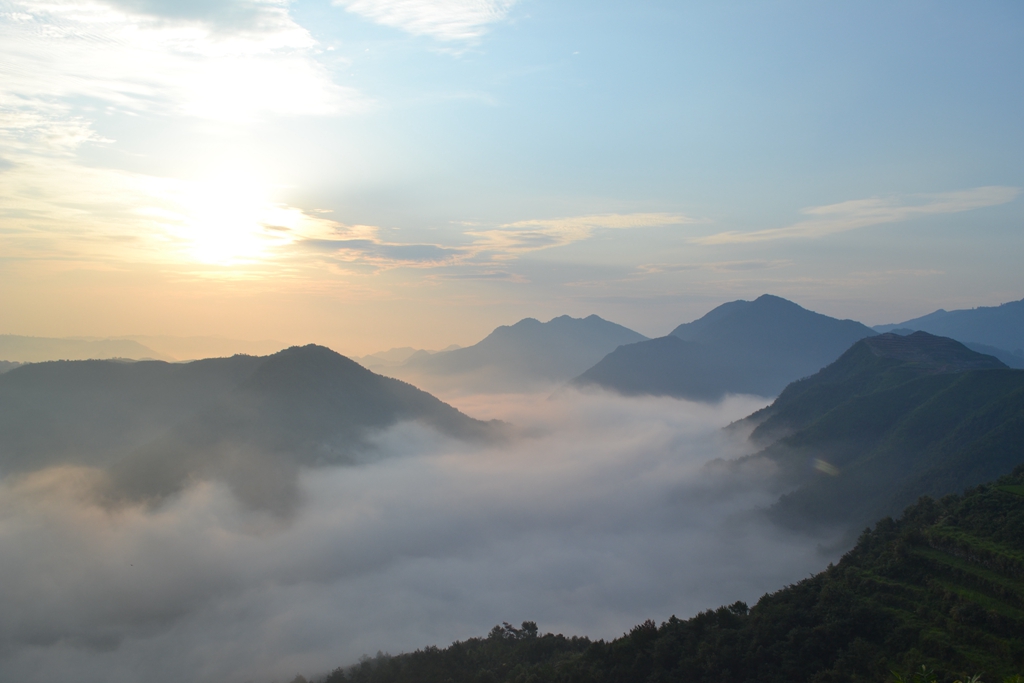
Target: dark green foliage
<point>941,588</point>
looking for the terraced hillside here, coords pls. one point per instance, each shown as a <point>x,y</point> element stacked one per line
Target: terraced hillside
<point>942,588</point>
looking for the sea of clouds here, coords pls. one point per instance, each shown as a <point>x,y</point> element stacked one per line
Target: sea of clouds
<point>598,513</point>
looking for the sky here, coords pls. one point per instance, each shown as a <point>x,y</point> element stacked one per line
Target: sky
<point>378,173</point>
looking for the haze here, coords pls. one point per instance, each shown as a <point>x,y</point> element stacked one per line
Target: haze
<point>603,512</point>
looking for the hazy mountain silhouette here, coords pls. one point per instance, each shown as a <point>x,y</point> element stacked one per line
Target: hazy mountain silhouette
<point>199,347</point>
<point>152,427</point>
<point>1010,360</point>
<point>750,347</point>
<point>894,418</point>
<point>1001,326</point>
<point>6,365</point>
<point>37,349</point>
<point>384,361</point>
<point>526,355</point>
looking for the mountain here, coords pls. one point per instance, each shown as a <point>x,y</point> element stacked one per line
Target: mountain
<point>742,347</point>
<point>936,595</point>
<point>1010,360</point>
<point>6,365</point>
<point>894,418</point>
<point>1001,326</point>
<point>527,355</point>
<point>197,348</point>
<point>37,349</point>
<point>146,429</point>
<point>394,357</point>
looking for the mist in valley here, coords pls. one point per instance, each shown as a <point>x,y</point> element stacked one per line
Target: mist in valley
<point>592,514</point>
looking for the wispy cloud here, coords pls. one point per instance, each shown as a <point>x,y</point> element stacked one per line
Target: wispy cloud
<point>64,63</point>
<point>717,266</point>
<point>230,61</point>
<point>512,239</point>
<point>371,250</point>
<point>860,213</point>
<point>224,15</point>
<point>447,20</point>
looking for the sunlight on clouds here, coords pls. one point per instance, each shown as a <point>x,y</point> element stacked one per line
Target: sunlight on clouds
<point>231,60</point>
<point>108,216</point>
<point>232,218</point>
<point>70,49</point>
<point>226,220</point>
<point>447,20</point>
<point>860,213</point>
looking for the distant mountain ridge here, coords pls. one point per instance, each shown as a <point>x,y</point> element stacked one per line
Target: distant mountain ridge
<point>523,356</point>
<point>22,349</point>
<point>751,347</point>
<point>383,361</point>
<point>894,418</point>
<point>150,427</point>
<point>1001,327</point>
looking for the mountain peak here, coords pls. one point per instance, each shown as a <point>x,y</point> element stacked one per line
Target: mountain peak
<point>940,354</point>
<point>753,347</point>
<point>522,356</point>
<point>771,298</point>
<point>1000,327</point>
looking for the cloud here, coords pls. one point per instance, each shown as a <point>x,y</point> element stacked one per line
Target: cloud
<point>601,514</point>
<point>512,239</point>
<point>229,15</point>
<point>474,261</point>
<point>446,20</point>
<point>170,62</point>
<point>717,266</point>
<point>384,254</point>
<point>860,213</point>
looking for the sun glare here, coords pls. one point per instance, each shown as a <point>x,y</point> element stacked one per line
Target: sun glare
<point>230,219</point>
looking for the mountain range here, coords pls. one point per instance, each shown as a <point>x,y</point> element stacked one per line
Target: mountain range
<point>741,347</point>
<point>524,356</point>
<point>997,330</point>
<point>148,428</point>
<point>21,349</point>
<point>894,418</point>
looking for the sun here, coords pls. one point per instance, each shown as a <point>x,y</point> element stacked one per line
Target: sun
<point>230,219</point>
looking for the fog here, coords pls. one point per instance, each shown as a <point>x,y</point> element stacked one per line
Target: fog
<point>599,513</point>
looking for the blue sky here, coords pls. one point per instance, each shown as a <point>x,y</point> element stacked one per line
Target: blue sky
<point>374,173</point>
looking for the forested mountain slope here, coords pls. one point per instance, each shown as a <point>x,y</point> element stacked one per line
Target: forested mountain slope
<point>893,419</point>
